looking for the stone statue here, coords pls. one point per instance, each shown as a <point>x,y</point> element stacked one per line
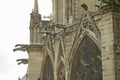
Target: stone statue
<point>22,61</point>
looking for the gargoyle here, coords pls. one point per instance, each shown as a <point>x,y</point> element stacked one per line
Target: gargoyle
<point>22,61</point>
<point>21,47</point>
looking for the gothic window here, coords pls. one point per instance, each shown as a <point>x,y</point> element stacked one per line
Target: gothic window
<point>87,63</point>
<point>48,70</point>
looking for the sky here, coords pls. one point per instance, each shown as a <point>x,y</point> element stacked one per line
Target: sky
<point>14,29</point>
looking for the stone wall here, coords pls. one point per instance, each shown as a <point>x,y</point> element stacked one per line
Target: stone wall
<point>64,44</point>
<point>35,65</point>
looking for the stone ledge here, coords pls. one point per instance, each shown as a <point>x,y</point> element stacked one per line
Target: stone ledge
<point>35,47</point>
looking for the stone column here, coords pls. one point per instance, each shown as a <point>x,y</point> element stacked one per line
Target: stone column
<point>35,62</point>
<point>56,49</point>
<point>107,46</point>
<point>116,30</point>
<point>108,24</point>
<point>68,43</point>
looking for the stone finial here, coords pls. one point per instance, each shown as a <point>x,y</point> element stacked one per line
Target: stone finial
<point>36,10</point>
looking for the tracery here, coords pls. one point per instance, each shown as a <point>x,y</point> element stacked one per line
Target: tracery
<point>87,65</point>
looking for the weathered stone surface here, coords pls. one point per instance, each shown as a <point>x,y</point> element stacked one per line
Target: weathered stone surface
<point>66,53</point>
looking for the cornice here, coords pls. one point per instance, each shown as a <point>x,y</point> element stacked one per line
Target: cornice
<point>35,47</point>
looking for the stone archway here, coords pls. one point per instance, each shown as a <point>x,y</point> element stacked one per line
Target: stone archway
<point>87,64</point>
<point>48,70</point>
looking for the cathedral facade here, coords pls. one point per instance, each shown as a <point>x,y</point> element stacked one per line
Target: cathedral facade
<point>80,42</point>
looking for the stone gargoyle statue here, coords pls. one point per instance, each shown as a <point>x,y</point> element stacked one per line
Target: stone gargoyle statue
<point>22,61</point>
<point>21,47</point>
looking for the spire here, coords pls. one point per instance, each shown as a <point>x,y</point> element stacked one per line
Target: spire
<point>36,6</point>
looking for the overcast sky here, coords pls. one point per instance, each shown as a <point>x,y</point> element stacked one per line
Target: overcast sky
<point>14,29</point>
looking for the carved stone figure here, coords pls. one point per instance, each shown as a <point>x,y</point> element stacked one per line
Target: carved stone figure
<point>22,61</point>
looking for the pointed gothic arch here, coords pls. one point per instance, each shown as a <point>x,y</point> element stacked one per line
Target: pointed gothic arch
<point>60,64</point>
<point>86,62</point>
<point>48,69</point>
